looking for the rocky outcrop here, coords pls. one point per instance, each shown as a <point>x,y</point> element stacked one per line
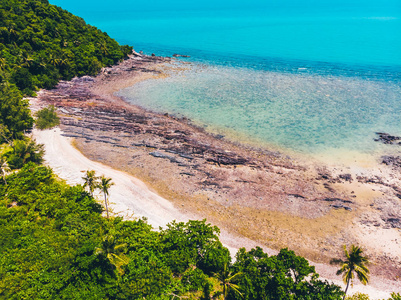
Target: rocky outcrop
<point>393,161</point>
<point>388,139</point>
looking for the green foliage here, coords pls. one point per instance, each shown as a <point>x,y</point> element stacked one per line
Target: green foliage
<point>54,244</point>
<point>47,118</point>
<point>227,280</point>
<point>189,244</point>
<point>43,43</point>
<point>395,296</point>
<point>104,185</point>
<point>24,151</point>
<point>113,252</point>
<point>353,264</point>
<point>284,276</point>
<point>207,290</point>
<point>194,279</point>
<point>44,227</point>
<point>215,259</point>
<point>146,276</point>
<point>15,116</point>
<point>90,181</point>
<point>358,296</point>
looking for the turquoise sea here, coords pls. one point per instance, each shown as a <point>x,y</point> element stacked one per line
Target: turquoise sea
<point>310,76</point>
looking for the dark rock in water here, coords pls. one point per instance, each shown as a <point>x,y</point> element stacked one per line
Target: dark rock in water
<point>180,55</point>
<point>153,54</point>
<point>394,161</point>
<point>388,139</point>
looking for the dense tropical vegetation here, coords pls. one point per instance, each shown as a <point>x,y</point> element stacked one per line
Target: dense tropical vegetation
<point>54,241</point>
<point>55,244</point>
<point>42,43</point>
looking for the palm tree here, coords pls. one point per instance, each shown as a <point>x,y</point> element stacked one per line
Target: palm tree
<point>27,150</point>
<point>27,61</point>
<point>53,60</point>
<point>4,168</point>
<point>90,181</point>
<point>113,252</point>
<point>226,277</point>
<point>354,263</point>
<point>104,185</point>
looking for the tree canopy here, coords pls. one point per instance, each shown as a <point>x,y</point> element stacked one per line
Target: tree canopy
<point>55,244</point>
<point>15,116</point>
<point>41,43</point>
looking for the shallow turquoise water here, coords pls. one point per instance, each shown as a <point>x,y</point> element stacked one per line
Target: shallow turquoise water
<point>310,76</point>
<point>304,112</point>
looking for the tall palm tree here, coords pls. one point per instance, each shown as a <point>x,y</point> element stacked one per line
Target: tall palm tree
<point>104,185</point>
<point>90,181</point>
<point>226,277</point>
<point>113,252</point>
<point>4,168</point>
<point>354,263</point>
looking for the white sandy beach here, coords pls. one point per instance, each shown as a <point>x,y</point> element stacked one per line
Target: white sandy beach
<point>130,197</point>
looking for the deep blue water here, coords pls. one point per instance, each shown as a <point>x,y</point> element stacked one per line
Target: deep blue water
<point>352,32</point>
<point>305,75</point>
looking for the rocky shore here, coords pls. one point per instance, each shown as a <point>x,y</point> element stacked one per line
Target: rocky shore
<point>266,196</point>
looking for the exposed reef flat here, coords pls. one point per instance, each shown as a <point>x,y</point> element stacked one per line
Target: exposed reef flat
<point>271,198</point>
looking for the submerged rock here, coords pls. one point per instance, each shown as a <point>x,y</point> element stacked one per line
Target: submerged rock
<point>180,55</point>
<point>389,139</point>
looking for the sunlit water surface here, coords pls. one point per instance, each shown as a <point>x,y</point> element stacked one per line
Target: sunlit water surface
<point>304,112</point>
<point>309,76</point>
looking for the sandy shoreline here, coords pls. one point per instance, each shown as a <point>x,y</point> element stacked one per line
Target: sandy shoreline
<point>287,203</point>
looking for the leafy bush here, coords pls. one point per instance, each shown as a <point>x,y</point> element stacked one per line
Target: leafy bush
<point>15,116</point>
<point>47,118</point>
<point>358,296</point>
<point>24,151</point>
<point>283,276</point>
